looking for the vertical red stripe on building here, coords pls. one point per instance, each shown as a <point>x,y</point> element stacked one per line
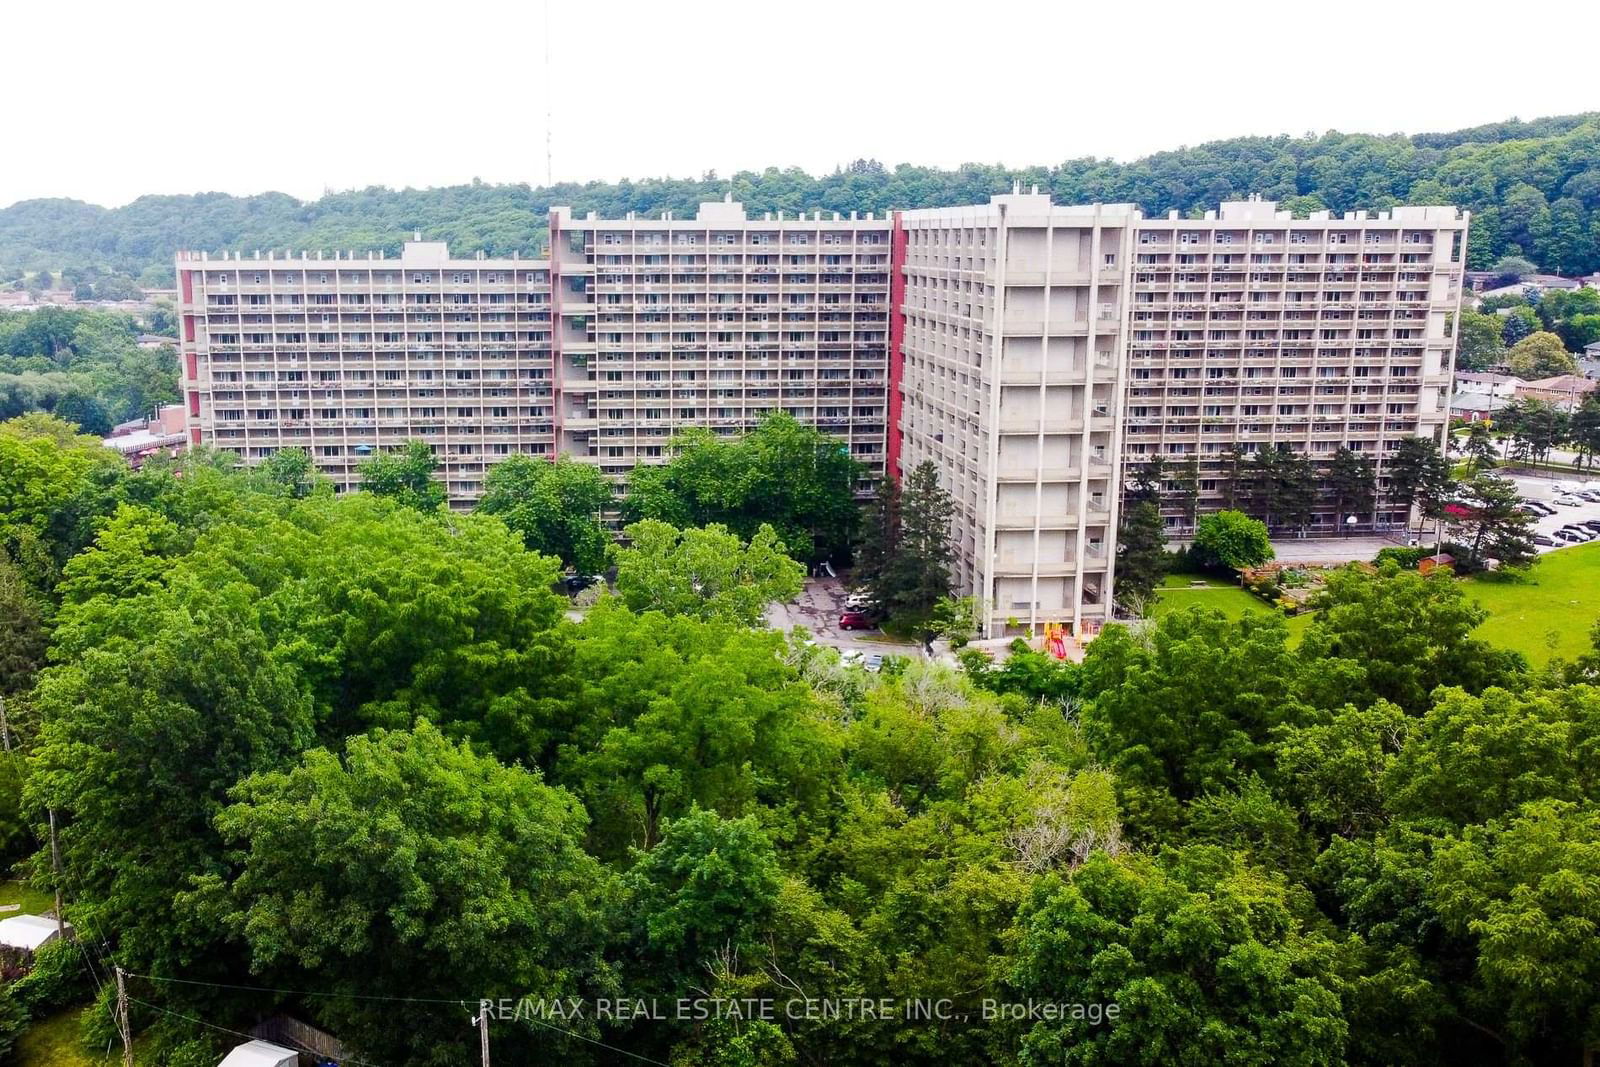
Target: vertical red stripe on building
<point>188,285</point>
<point>188,327</point>
<point>556,368</point>
<point>194,403</point>
<point>897,333</point>
<point>192,367</point>
<point>194,436</point>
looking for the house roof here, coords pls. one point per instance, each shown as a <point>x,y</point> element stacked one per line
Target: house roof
<point>1564,383</point>
<point>260,1054</point>
<point>28,931</point>
<point>1492,379</point>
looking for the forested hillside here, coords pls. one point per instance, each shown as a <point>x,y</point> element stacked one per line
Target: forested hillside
<point>1535,187</point>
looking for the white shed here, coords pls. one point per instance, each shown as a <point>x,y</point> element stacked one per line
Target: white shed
<point>260,1054</point>
<point>29,932</point>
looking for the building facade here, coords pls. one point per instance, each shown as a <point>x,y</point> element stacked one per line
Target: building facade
<point>1037,354</point>
<point>1011,374</point>
<point>715,322</point>
<point>1252,330</point>
<point>346,356</point>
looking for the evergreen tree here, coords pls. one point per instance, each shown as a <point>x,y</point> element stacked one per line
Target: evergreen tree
<point>1296,489</point>
<point>1416,472</point>
<point>1188,481</point>
<point>1353,485</point>
<point>1479,447</point>
<point>880,535</point>
<point>917,575</point>
<point>1146,482</point>
<point>1141,552</point>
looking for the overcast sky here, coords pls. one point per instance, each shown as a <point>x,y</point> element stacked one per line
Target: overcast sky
<point>112,101</point>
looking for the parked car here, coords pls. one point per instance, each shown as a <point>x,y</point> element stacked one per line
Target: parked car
<point>577,583</point>
<point>1583,533</point>
<point>1570,501</point>
<point>1541,539</point>
<point>1591,495</point>
<point>1568,536</point>
<point>873,662</point>
<point>858,601</point>
<point>1593,524</point>
<point>856,620</point>
<point>1538,507</point>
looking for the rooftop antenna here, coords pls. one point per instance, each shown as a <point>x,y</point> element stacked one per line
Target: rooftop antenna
<point>549,165</point>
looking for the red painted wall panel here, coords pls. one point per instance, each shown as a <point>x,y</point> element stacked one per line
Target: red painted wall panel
<point>897,333</point>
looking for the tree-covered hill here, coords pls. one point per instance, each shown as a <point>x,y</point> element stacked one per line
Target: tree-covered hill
<point>1535,187</point>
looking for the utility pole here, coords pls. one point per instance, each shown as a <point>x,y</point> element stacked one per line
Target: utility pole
<point>55,870</point>
<point>124,1027</point>
<point>5,725</point>
<point>483,1034</point>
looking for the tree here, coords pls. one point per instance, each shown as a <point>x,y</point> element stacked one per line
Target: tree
<point>25,635</point>
<point>1353,485</point>
<point>1540,355</point>
<point>1478,341</point>
<point>410,856</point>
<point>1141,552</point>
<point>1584,430</point>
<point>956,619</point>
<point>1145,482</point>
<point>710,886</point>
<point>1520,324</point>
<point>291,470</point>
<point>784,474</point>
<point>406,475</point>
<point>80,407</point>
<point>918,574</point>
<point>1489,514</point>
<point>1418,475</point>
<point>1231,540</point>
<point>1198,952</point>
<point>141,738</point>
<point>1480,447</point>
<point>1510,270</point>
<point>880,535</point>
<point>557,507</point>
<point>707,573</point>
<point>1296,492</point>
<point>1518,891</point>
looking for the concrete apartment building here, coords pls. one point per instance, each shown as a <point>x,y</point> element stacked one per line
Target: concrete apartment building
<point>347,356</point>
<point>1034,352</point>
<point>1253,329</point>
<point>1014,318</point>
<point>715,322</point>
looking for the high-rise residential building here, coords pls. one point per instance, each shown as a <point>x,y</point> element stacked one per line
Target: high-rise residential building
<point>347,356</point>
<point>1011,382</point>
<point>715,322</point>
<point>1254,330</point>
<point>1037,354</point>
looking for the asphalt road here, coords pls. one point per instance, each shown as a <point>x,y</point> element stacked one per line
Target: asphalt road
<point>817,609</point>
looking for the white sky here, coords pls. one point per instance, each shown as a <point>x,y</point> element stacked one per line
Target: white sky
<point>116,99</point>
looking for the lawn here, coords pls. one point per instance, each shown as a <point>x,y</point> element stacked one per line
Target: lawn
<point>33,901</point>
<point>1175,595</point>
<point>54,1042</point>
<point>1550,611</point>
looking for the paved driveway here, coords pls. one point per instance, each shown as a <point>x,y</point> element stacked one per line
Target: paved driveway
<point>817,609</point>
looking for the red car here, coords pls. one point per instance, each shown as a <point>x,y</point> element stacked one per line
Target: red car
<point>855,620</point>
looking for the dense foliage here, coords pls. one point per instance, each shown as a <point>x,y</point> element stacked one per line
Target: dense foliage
<point>1534,188</point>
<point>339,744</point>
<point>84,366</point>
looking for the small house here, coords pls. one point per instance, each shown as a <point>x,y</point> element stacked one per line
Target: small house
<point>26,934</point>
<point>260,1054</point>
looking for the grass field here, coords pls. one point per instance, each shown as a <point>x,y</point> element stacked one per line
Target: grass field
<point>33,901</point>
<point>1548,612</point>
<point>54,1042</point>
<point>1176,594</point>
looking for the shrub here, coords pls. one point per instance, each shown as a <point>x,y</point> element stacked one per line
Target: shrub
<point>57,979</point>
<point>1231,540</point>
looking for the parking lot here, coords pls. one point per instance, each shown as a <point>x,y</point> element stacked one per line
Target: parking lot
<point>818,608</point>
<point>1546,490</point>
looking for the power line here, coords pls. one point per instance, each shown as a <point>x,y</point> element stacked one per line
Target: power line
<point>235,1033</point>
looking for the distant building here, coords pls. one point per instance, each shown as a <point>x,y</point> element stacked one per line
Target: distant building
<point>151,340</point>
<point>1478,396</point>
<point>1564,391</point>
<point>139,439</point>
